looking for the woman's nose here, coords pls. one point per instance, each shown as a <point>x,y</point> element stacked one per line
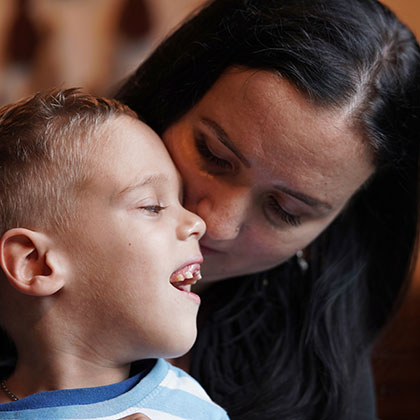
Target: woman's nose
<point>224,215</point>
<point>191,225</point>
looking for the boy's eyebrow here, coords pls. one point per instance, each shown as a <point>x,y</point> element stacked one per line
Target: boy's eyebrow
<point>153,179</point>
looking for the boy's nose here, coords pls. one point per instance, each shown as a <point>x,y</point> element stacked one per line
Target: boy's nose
<point>192,225</point>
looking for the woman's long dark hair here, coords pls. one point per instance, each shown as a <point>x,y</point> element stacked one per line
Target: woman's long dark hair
<point>286,343</point>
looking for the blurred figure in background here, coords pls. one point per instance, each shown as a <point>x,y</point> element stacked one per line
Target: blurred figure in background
<point>87,43</point>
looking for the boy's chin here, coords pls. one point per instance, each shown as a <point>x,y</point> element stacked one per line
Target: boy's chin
<point>167,342</point>
<point>181,361</point>
<point>182,348</point>
<point>174,346</point>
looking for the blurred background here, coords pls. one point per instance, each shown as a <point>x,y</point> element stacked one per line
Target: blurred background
<point>95,44</point>
<point>87,43</point>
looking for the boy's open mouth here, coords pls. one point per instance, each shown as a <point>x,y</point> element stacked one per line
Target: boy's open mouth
<point>184,277</point>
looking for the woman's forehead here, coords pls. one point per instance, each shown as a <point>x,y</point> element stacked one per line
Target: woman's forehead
<point>281,132</point>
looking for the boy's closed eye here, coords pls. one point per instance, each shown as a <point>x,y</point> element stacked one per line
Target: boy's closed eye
<point>154,209</point>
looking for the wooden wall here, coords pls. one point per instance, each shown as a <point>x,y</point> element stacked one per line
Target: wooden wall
<point>396,361</point>
<point>408,11</point>
<point>396,357</point>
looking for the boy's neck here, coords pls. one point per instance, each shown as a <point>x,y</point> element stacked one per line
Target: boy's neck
<point>57,352</point>
<point>62,370</point>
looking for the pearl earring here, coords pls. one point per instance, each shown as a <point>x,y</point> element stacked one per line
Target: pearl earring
<point>301,260</point>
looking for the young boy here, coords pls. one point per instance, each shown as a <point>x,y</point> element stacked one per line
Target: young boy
<point>97,257</point>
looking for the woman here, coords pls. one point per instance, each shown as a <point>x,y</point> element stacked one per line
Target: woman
<point>294,124</point>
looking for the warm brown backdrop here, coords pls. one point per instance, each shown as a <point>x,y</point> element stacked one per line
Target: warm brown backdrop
<point>408,11</point>
<point>396,358</point>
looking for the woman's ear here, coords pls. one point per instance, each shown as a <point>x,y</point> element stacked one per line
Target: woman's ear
<point>29,263</point>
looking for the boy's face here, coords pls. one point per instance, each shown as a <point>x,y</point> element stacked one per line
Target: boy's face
<point>132,238</point>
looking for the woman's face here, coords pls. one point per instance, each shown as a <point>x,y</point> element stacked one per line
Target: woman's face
<point>265,169</point>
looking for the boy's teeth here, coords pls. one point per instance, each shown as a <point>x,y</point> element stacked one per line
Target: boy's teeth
<point>192,273</point>
<point>187,275</point>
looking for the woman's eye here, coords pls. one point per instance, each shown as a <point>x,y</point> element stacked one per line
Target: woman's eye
<point>154,209</point>
<point>279,212</point>
<point>208,155</point>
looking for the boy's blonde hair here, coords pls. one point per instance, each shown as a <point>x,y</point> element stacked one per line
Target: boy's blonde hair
<point>45,144</point>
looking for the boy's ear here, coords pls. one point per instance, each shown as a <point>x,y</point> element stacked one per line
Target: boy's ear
<point>29,262</point>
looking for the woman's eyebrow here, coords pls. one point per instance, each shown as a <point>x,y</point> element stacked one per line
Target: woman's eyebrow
<point>224,138</point>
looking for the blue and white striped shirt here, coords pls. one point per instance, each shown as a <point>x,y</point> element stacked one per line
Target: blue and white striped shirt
<point>165,393</point>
